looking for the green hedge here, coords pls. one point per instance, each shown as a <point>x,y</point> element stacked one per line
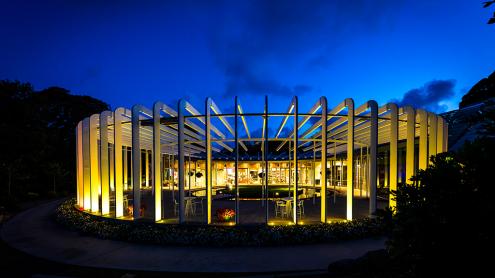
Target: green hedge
<point>172,234</point>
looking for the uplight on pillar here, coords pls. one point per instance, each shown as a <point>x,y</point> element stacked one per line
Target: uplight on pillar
<point>79,165</point>
<point>136,160</point>
<point>432,134</point>
<point>323,179</point>
<point>110,148</point>
<point>157,174</point>
<point>94,163</point>
<point>410,132</point>
<point>181,166</point>
<point>373,154</point>
<point>394,134</point>
<point>423,139</point>
<point>119,181</point>
<point>440,135</point>
<point>104,163</point>
<point>350,156</point>
<point>208,177</point>
<point>86,165</point>
<point>295,161</point>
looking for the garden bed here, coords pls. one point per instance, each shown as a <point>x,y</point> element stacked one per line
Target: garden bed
<point>202,235</point>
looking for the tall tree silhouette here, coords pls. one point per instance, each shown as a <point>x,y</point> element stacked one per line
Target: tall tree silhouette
<point>38,139</point>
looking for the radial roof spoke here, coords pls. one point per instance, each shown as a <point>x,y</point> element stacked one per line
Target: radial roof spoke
<point>309,137</point>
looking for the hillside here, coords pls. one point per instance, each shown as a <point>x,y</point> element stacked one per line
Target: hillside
<point>475,116</point>
<point>480,92</point>
<point>470,122</point>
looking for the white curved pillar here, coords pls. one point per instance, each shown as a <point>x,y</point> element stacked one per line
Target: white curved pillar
<point>432,134</point>
<point>157,174</point>
<point>208,176</point>
<point>323,178</point>
<point>94,163</point>
<point>79,165</point>
<point>86,165</point>
<point>373,106</point>
<point>181,166</point>
<point>349,103</point>
<point>423,139</point>
<point>410,129</point>
<point>118,162</point>
<point>104,163</point>
<point>393,164</point>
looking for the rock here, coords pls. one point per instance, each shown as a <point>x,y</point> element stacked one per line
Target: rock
<point>481,91</point>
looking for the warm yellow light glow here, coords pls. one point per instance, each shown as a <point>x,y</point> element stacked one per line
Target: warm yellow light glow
<point>147,168</point>
<point>393,152</point>
<point>94,163</point>
<point>350,156</point>
<point>79,155</point>
<point>410,131</point>
<point>96,183</point>
<point>86,166</point>
<point>432,134</point>
<point>208,162</point>
<point>323,178</point>
<point>423,139</point>
<point>104,163</point>
<point>119,191</point>
<point>157,158</point>
<point>440,135</point>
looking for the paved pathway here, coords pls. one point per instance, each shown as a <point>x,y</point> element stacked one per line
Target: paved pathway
<point>34,232</point>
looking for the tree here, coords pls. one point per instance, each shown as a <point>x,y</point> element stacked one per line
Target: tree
<point>38,138</point>
<point>486,5</point>
<point>443,221</point>
<point>57,171</point>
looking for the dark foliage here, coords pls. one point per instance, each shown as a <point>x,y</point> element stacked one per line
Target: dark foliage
<point>486,5</point>
<point>38,138</point>
<point>443,221</point>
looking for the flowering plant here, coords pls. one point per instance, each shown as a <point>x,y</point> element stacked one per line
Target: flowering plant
<point>130,210</point>
<point>216,235</point>
<point>225,214</point>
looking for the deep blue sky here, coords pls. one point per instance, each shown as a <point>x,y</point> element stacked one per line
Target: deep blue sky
<point>127,52</point>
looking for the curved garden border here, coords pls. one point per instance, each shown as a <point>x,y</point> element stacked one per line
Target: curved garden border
<point>220,236</point>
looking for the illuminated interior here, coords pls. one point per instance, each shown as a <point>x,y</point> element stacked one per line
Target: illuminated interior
<point>180,165</point>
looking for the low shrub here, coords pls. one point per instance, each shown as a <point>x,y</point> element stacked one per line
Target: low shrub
<point>200,235</point>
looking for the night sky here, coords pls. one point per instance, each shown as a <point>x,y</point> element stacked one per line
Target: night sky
<point>426,53</point>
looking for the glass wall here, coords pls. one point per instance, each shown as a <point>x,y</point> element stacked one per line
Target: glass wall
<point>245,161</point>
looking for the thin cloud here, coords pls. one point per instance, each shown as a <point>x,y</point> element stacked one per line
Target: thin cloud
<point>254,48</point>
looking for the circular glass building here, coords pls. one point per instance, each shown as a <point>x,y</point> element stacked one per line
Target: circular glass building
<point>185,164</point>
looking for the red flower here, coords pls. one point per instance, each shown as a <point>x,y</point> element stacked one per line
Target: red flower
<point>225,214</point>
